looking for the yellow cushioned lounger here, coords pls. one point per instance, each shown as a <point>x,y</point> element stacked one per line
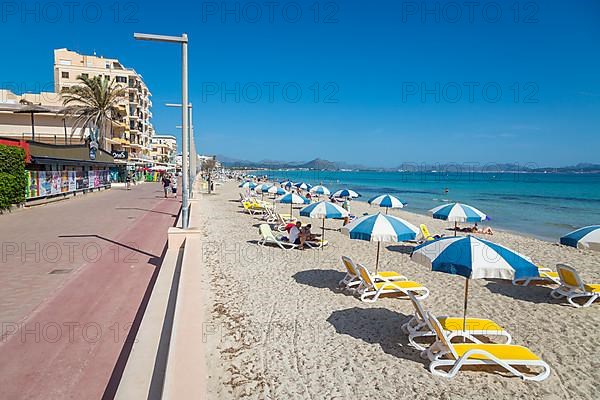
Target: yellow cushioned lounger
<point>352,279</point>
<point>418,326</point>
<point>547,276</point>
<point>572,287</point>
<point>444,354</point>
<point>370,289</point>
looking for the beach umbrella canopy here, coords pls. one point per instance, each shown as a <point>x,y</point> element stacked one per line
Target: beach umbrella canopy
<point>388,201</point>
<point>458,212</point>
<point>303,185</point>
<point>276,190</point>
<point>262,188</point>
<point>291,199</point>
<point>346,193</point>
<point>320,190</point>
<point>583,238</point>
<point>286,184</point>
<point>380,228</point>
<point>473,258</point>
<point>248,185</point>
<point>323,210</point>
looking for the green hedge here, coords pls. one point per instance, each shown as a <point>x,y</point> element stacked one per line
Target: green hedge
<point>13,181</point>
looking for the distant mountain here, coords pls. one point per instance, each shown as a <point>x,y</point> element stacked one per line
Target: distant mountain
<point>326,165</point>
<point>496,167</point>
<point>319,164</point>
<point>316,164</point>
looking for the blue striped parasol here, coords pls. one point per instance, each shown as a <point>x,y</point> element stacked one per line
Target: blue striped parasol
<point>473,258</point>
<point>323,210</point>
<point>388,201</point>
<point>380,228</point>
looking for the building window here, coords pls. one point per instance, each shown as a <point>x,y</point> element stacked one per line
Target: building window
<point>65,74</point>
<point>121,79</point>
<point>65,62</point>
<point>85,75</point>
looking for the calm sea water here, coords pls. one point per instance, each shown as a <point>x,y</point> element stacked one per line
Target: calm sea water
<point>544,205</point>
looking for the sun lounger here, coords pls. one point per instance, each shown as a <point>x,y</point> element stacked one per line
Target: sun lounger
<point>282,220</point>
<point>547,276</point>
<point>418,326</point>
<point>444,354</point>
<point>370,290</point>
<point>352,279</point>
<point>269,215</point>
<point>572,287</point>
<point>426,235</point>
<point>316,244</point>
<point>251,209</point>
<point>269,237</point>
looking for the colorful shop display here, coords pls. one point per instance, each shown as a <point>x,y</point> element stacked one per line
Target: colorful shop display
<point>48,183</point>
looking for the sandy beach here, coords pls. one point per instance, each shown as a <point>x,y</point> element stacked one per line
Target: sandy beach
<point>280,329</point>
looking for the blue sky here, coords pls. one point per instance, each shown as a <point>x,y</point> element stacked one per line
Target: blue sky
<point>376,84</point>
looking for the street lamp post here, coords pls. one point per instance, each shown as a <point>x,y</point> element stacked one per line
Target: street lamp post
<point>192,141</point>
<point>183,40</point>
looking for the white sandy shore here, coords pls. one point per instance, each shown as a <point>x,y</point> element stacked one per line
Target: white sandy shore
<point>280,329</point>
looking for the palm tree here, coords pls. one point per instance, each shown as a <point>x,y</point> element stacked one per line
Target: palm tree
<point>94,105</point>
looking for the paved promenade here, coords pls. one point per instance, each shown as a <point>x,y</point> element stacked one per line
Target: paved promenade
<point>73,275</point>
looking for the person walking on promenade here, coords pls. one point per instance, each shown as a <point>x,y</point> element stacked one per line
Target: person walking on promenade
<point>174,187</point>
<point>166,184</point>
<point>128,182</point>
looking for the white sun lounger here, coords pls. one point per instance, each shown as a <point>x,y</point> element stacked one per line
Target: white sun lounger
<point>418,326</point>
<point>444,354</point>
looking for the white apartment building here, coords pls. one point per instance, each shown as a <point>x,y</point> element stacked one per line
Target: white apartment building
<point>164,150</point>
<point>136,138</point>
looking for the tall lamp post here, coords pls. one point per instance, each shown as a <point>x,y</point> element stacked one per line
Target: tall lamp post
<point>183,40</point>
<point>192,141</point>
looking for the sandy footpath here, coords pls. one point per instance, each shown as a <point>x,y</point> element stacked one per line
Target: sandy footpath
<point>280,329</point>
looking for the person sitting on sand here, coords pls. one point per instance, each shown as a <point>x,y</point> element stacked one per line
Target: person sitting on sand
<point>296,236</point>
<point>308,235</point>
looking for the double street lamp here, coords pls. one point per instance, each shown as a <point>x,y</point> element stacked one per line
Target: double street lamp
<point>193,155</point>
<point>183,40</point>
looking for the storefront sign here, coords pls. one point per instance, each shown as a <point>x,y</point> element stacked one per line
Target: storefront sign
<point>120,155</point>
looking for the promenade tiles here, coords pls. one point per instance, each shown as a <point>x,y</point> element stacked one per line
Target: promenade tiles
<point>64,331</point>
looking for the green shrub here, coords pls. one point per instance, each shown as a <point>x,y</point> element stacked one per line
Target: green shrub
<point>13,181</point>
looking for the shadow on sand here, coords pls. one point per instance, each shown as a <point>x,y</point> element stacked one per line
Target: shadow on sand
<point>376,326</point>
<point>536,294</point>
<point>320,278</point>
<point>401,248</point>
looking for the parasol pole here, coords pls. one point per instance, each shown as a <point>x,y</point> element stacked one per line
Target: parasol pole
<point>455,228</point>
<point>291,210</point>
<point>323,235</point>
<point>377,259</point>
<point>465,309</point>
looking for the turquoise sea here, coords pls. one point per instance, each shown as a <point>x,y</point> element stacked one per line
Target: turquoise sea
<point>545,205</point>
